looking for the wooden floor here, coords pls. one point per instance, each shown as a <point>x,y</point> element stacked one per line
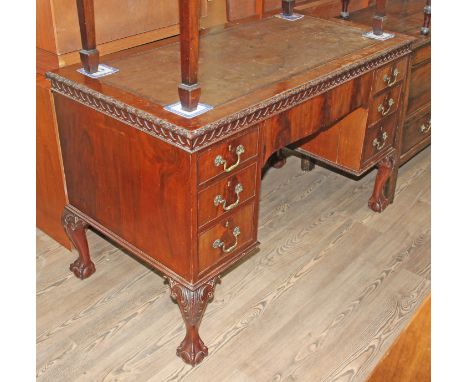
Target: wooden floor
<point>329,291</point>
<point>409,358</point>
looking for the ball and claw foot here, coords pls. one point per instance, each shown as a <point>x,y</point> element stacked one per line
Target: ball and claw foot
<point>192,350</point>
<point>379,200</point>
<point>82,270</point>
<point>192,305</point>
<point>379,203</point>
<point>75,228</point>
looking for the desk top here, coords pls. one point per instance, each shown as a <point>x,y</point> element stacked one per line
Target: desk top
<point>247,72</point>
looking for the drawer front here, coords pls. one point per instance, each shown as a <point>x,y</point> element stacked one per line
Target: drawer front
<point>226,195</point>
<point>416,131</point>
<point>379,138</point>
<point>420,88</point>
<point>421,54</point>
<point>223,241</point>
<point>389,76</point>
<point>384,104</point>
<point>227,156</point>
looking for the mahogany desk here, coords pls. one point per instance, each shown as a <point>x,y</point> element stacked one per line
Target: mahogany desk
<point>183,194</point>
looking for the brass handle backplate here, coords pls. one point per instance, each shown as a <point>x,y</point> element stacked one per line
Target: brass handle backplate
<point>391,80</point>
<point>221,244</point>
<point>382,110</point>
<point>380,145</point>
<point>425,128</point>
<point>219,160</point>
<point>218,200</point>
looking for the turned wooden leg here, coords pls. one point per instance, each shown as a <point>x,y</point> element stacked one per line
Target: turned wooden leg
<point>279,159</point>
<point>383,195</point>
<point>425,29</point>
<point>75,228</point>
<point>307,164</point>
<point>192,304</point>
<point>344,9</point>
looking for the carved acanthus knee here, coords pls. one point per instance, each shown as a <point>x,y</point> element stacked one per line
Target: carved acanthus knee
<point>379,201</point>
<point>75,228</point>
<point>192,304</point>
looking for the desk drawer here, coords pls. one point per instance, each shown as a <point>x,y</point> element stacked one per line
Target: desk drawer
<point>416,131</point>
<point>420,88</point>
<point>389,76</point>
<point>378,139</point>
<point>224,240</point>
<point>226,195</point>
<point>384,104</point>
<point>227,156</point>
<point>421,54</point>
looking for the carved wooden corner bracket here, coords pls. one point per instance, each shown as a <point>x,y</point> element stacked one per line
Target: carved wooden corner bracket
<point>192,305</point>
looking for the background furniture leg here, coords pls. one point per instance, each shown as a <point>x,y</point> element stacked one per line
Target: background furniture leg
<point>307,164</point>
<point>279,159</point>
<point>379,200</point>
<point>379,17</point>
<point>427,18</point>
<point>75,228</point>
<point>192,305</point>
<point>344,9</point>
<point>288,7</point>
<point>189,89</point>
<point>89,54</point>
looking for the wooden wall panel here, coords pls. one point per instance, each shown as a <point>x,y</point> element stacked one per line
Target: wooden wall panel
<point>45,32</point>
<point>115,19</point>
<point>50,189</point>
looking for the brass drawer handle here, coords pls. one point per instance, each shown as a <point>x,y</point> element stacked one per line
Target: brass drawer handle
<point>220,244</point>
<point>380,145</point>
<point>382,110</point>
<point>425,128</point>
<point>388,79</point>
<point>219,160</point>
<point>219,199</point>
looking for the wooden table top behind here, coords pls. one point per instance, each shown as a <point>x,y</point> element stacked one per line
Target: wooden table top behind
<point>241,67</point>
<point>403,16</point>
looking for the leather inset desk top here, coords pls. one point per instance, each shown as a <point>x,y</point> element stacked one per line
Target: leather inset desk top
<point>239,60</point>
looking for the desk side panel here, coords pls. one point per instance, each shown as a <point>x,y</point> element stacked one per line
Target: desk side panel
<point>133,184</point>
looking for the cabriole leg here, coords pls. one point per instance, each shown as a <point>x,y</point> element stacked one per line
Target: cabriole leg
<point>383,191</point>
<point>192,304</point>
<point>75,228</point>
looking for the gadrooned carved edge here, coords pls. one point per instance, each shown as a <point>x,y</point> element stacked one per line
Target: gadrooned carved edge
<point>192,141</point>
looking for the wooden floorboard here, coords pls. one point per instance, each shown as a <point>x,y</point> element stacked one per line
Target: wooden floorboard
<point>409,358</point>
<point>327,294</point>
